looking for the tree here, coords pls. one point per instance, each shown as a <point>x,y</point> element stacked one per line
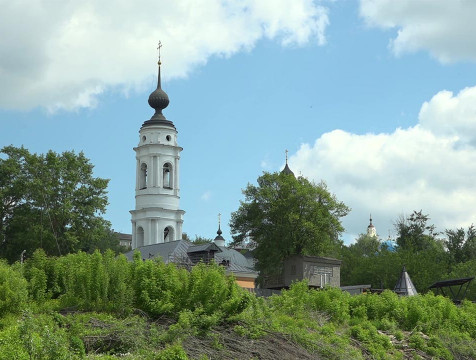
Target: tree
<point>366,245</point>
<point>461,245</point>
<point>285,216</point>
<point>50,201</point>
<point>200,240</point>
<point>414,233</point>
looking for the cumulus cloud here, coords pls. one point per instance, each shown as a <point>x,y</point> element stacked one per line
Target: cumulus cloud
<point>430,166</point>
<point>63,54</point>
<point>444,28</point>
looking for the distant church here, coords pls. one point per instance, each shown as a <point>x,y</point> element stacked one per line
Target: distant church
<point>157,217</point>
<point>371,230</point>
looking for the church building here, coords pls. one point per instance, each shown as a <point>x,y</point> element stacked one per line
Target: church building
<point>157,218</point>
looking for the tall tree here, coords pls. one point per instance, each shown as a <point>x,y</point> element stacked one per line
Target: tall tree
<point>285,216</point>
<point>50,201</point>
<point>461,245</point>
<point>414,232</point>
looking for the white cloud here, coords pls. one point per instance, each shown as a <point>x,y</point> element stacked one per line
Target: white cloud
<point>62,55</point>
<point>206,195</point>
<point>431,166</point>
<point>444,28</point>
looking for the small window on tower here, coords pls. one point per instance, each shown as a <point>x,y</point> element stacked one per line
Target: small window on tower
<point>144,138</point>
<point>168,234</point>
<point>143,177</point>
<point>168,137</point>
<point>167,176</point>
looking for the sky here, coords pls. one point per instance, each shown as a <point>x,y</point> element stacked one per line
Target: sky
<point>375,97</point>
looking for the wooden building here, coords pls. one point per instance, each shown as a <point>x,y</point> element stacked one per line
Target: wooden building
<point>318,271</point>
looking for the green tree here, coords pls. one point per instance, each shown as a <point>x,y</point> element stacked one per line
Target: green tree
<point>285,216</point>
<point>199,240</point>
<point>414,232</point>
<point>50,201</point>
<point>461,245</point>
<point>366,245</point>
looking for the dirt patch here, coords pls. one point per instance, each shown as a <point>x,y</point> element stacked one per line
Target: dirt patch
<point>227,344</point>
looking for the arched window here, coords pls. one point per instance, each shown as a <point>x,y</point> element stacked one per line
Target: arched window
<point>168,234</point>
<point>143,177</point>
<point>139,237</point>
<point>167,176</point>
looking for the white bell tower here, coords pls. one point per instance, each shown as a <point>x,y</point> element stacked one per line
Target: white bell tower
<point>157,218</point>
<point>371,230</point>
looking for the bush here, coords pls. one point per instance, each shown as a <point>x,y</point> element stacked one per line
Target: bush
<point>13,290</point>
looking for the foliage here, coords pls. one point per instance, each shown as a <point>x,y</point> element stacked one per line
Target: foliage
<point>414,232</point>
<point>199,240</point>
<point>172,352</point>
<point>165,289</point>
<point>50,201</point>
<point>366,245</point>
<point>175,304</point>
<point>286,216</point>
<point>461,245</point>
<point>13,290</point>
<point>428,259</point>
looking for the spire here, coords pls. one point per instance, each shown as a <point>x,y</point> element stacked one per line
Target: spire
<point>405,286</point>
<point>286,169</point>
<point>371,231</point>
<point>219,240</point>
<point>158,100</point>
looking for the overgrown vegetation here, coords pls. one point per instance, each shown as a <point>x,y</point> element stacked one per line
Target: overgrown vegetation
<point>51,201</point>
<point>427,256</point>
<point>99,306</point>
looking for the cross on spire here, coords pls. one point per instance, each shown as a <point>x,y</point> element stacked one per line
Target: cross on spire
<point>219,219</point>
<point>159,45</point>
<point>286,151</point>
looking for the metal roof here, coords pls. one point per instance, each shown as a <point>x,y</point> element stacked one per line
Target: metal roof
<point>451,282</point>
<point>167,251</point>
<point>235,261</point>
<point>404,285</point>
<point>203,247</point>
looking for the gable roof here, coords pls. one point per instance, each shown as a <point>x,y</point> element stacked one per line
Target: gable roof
<point>179,251</point>
<point>168,251</point>
<point>203,247</point>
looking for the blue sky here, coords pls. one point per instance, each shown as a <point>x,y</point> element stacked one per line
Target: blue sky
<point>375,97</point>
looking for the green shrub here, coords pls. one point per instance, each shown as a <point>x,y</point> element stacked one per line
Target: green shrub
<point>172,352</point>
<point>13,290</point>
<point>43,339</point>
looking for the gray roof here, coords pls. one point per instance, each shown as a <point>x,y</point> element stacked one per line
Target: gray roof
<point>168,251</point>
<point>203,247</point>
<point>238,262</point>
<point>174,251</point>
<point>405,285</point>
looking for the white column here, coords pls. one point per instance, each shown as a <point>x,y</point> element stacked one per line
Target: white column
<point>176,176</point>
<point>156,230</point>
<point>156,171</point>
<point>137,174</point>
<point>134,240</point>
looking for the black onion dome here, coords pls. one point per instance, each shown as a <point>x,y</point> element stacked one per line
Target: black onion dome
<point>219,232</point>
<point>287,170</point>
<point>158,100</point>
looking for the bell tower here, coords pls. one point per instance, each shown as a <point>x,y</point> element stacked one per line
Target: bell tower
<point>157,218</point>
